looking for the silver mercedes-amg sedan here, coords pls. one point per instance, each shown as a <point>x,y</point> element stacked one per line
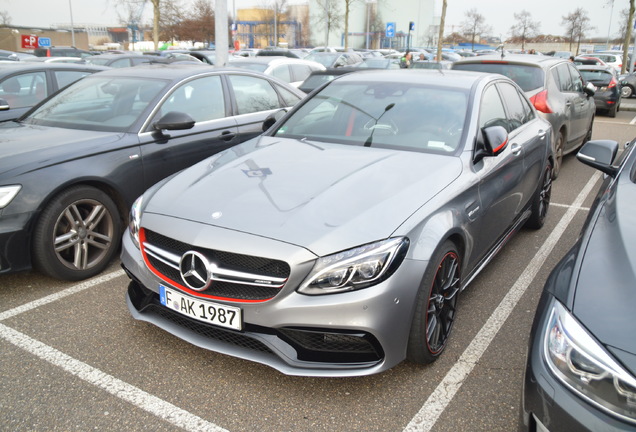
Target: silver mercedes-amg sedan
<point>337,243</point>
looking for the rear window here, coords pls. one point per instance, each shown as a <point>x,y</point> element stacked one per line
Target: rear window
<point>527,77</point>
<point>596,77</point>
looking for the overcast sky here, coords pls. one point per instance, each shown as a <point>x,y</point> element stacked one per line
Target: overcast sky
<point>499,14</point>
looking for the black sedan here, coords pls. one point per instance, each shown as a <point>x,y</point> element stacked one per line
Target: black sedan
<point>73,166</point>
<point>607,96</point>
<point>581,366</point>
<point>23,85</point>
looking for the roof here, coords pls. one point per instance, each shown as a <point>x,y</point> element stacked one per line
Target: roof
<point>529,59</point>
<point>18,66</point>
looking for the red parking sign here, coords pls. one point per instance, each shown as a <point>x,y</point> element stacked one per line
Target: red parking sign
<point>29,41</point>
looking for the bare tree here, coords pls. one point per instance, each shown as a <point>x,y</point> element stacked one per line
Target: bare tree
<point>172,20</point>
<point>136,6</point>
<point>200,23</point>
<point>441,33</point>
<point>474,25</point>
<point>628,37</point>
<point>329,16</point>
<point>348,4</point>
<point>577,24</point>
<point>5,18</point>
<point>525,28</point>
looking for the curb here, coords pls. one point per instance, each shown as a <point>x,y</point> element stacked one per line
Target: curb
<point>628,105</point>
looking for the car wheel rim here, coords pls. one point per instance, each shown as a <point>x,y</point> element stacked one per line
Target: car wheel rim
<point>546,193</point>
<point>440,313</point>
<point>83,234</point>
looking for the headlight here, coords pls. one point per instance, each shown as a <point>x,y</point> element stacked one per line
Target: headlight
<point>584,366</point>
<point>7,193</point>
<point>134,220</point>
<point>355,268</point>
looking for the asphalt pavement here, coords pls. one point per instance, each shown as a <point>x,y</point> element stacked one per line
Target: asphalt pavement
<point>628,104</point>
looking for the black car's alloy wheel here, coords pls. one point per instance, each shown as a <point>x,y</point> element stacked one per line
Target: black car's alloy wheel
<point>77,234</point>
<point>436,306</point>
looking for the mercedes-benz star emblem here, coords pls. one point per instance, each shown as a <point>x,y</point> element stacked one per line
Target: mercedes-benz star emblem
<point>194,271</point>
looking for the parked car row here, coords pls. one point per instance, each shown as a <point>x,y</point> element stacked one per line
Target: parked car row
<point>234,243</point>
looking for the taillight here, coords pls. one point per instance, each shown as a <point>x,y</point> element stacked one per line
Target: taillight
<point>612,83</point>
<point>540,102</point>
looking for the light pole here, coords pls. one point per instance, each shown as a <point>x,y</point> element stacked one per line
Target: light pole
<point>70,7</point>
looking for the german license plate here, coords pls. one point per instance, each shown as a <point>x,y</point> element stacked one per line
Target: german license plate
<point>202,310</point>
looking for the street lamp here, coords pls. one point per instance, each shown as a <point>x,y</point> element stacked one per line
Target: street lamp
<point>70,7</point>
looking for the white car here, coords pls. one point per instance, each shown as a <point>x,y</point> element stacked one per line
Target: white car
<point>611,59</point>
<point>289,70</point>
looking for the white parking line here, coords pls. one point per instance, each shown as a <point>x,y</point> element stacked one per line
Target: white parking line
<point>633,121</point>
<point>112,385</point>
<point>437,402</point>
<point>54,297</point>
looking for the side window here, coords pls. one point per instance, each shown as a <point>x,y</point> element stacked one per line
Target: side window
<point>65,78</point>
<point>120,63</point>
<point>202,99</point>
<point>289,98</point>
<point>253,94</point>
<point>517,110</point>
<point>577,81</point>
<point>491,111</point>
<point>300,72</point>
<point>282,73</point>
<point>24,90</point>
<point>565,79</point>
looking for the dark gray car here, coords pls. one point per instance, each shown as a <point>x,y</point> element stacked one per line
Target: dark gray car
<point>336,244</point>
<point>581,364</point>
<point>556,89</point>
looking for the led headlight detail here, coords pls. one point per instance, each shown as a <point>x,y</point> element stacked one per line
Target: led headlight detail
<point>134,220</point>
<point>586,368</point>
<point>7,193</point>
<point>355,268</point>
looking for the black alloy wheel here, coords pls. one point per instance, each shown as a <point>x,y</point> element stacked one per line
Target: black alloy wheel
<point>436,306</point>
<point>541,200</point>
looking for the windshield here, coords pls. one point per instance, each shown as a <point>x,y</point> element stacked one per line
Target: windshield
<point>379,114</point>
<point>527,77</point>
<point>325,59</point>
<point>257,67</point>
<point>98,103</point>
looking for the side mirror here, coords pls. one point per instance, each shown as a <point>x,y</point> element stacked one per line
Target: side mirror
<point>600,154</point>
<point>589,89</point>
<point>4,105</point>
<point>273,118</point>
<point>174,120</point>
<point>491,141</point>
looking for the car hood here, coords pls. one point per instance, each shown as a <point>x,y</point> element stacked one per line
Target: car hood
<point>605,297</point>
<point>323,197</point>
<point>26,147</point>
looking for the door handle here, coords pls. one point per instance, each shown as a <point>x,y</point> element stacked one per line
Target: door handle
<point>227,135</point>
<point>541,134</point>
<point>515,148</point>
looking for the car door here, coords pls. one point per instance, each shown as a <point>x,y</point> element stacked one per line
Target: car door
<point>530,134</point>
<point>500,179</point>
<point>584,108</point>
<point>255,98</point>
<point>205,100</point>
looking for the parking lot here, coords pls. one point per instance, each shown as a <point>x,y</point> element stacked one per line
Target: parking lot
<point>72,358</point>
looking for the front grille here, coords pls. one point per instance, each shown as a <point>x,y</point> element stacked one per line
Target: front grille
<point>324,346</point>
<point>230,261</point>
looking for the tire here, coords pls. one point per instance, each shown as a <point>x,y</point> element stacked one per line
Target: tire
<point>77,235</point>
<point>558,155</point>
<point>627,91</point>
<point>435,306</point>
<point>541,200</point>
<point>612,111</point>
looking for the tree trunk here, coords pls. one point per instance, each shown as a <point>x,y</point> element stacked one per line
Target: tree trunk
<point>441,33</point>
<point>155,23</point>
<point>346,27</point>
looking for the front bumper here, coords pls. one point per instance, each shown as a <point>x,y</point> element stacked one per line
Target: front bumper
<point>15,240</point>
<point>347,334</point>
<point>547,404</point>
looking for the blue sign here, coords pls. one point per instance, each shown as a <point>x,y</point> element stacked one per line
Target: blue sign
<point>390,29</point>
<point>44,41</point>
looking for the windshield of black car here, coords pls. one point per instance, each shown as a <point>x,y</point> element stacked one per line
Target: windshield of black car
<point>99,103</point>
<point>399,116</point>
<point>526,76</point>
